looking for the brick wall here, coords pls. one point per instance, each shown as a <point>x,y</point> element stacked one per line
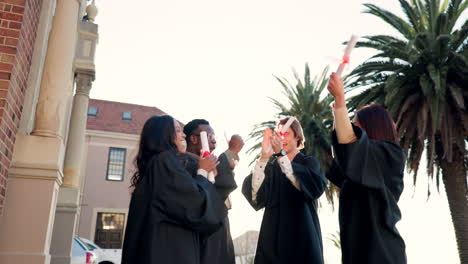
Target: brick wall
<point>18,25</point>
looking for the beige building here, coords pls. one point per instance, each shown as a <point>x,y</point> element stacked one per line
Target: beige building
<point>46,71</point>
<point>111,144</point>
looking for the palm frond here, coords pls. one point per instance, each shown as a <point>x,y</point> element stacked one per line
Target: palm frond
<point>396,22</point>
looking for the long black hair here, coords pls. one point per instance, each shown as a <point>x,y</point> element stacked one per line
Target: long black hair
<point>158,135</point>
<point>377,123</point>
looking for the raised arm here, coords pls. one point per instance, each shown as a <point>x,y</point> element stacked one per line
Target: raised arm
<point>344,130</point>
<point>225,182</point>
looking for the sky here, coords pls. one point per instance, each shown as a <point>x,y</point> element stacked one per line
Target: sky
<point>216,59</point>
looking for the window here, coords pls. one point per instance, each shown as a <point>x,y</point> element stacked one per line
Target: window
<point>127,116</point>
<point>109,230</point>
<point>116,164</point>
<point>92,111</point>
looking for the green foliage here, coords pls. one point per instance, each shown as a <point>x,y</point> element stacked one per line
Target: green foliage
<point>335,239</point>
<point>421,76</point>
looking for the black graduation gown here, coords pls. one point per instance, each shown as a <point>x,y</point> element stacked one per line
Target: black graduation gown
<point>370,175</point>
<point>169,210</point>
<point>290,231</point>
<point>218,247</point>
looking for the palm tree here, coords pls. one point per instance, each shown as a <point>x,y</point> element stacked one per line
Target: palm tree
<point>421,76</point>
<point>335,239</point>
<point>314,113</point>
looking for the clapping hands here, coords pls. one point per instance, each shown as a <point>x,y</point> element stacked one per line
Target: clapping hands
<point>271,143</point>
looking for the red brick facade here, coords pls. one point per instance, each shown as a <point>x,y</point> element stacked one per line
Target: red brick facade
<point>109,116</point>
<point>18,26</point>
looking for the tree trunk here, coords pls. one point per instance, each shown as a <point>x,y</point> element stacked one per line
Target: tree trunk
<point>454,176</point>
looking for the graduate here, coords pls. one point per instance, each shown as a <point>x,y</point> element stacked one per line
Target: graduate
<point>217,248</point>
<point>287,184</point>
<point>170,209</point>
<point>368,167</point>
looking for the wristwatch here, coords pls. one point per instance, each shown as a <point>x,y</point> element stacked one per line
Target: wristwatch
<point>280,154</point>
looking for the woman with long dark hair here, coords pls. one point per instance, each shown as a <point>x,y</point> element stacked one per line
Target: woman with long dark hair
<point>169,208</point>
<point>368,167</point>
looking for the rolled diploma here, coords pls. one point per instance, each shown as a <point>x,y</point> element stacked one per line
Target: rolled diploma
<point>226,137</point>
<point>206,148</point>
<point>287,125</point>
<point>347,53</point>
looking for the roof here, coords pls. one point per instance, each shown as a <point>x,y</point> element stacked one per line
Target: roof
<point>109,116</point>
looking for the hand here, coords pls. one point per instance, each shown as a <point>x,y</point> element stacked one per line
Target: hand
<point>208,163</point>
<point>267,150</point>
<point>336,89</point>
<point>234,162</point>
<point>276,142</point>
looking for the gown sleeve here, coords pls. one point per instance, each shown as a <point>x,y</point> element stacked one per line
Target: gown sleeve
<point>192,202</point>
<point>367,162</point>
<point>335,175</point>
<point>225,182</point>
<point>310,177</point>
<point>261,198</point>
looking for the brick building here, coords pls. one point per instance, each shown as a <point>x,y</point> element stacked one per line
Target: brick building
<point>18,26</point>
<point>47,52</point>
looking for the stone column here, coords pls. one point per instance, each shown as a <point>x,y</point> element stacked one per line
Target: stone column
<point>76,136</point>
<point>58,71</point>
<point>69,193</point>
<point>37,163</point>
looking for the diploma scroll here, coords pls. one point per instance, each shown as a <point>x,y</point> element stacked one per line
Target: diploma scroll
<point>206,152</point>
<point>287,125</point>
<point>347,54</point>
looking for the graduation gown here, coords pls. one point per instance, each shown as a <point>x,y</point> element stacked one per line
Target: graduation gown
<point>290,231</point>
<point>169,210</point>
<point>370,175</point>
<point>218,248</point>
